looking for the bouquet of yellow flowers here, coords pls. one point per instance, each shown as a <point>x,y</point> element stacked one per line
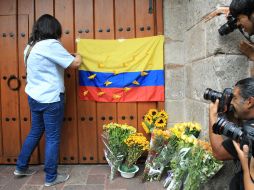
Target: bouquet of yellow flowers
<point>185,135</point>
<point>113,138</point>
<point>154,165</point>
<point>136,144</point>
<point>186,129</point>
<point>179,164</point>
<point>193,163</point>
<point>154,119</point>
<point>202,166</point>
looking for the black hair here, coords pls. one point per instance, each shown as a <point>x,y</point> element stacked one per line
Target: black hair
<point>46,27</point>
<point>246,87</point>
<point>245,7</point>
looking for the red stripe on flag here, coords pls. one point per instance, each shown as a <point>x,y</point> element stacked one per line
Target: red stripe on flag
<point>135,94</point>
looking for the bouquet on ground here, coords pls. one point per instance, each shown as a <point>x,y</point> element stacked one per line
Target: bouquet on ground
<point>154,165</point>
<point>202,166</point>
<point>179,164</point>
<point>136,145</point>
<point>154,119</point>
<point>185,135</point>
<point>113,138</point>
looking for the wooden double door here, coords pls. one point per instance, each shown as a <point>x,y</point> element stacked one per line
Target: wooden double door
<point>83,121</point>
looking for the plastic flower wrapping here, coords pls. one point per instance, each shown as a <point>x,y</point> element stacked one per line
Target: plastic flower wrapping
<point>155,161</point>
<point>163,150</point>
<point>113,138</point>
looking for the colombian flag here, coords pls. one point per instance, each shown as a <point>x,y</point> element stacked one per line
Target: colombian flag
<point>124,70</point>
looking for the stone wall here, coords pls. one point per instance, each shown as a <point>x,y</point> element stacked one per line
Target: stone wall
<point>197,57</point>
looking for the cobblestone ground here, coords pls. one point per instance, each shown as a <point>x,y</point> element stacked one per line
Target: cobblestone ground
<point>82,177</point>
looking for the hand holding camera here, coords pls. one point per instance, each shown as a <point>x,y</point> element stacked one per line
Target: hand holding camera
<point>244,135</point>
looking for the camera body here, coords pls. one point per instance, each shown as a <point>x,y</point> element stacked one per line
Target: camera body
<point>224,97</point>
<point>229,26</point>
<point>244,135</point>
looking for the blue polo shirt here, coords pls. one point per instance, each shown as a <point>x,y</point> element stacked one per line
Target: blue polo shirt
<point>45,70</point>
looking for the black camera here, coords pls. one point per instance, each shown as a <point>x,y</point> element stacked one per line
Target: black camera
<point>224,97</point>
<point>229,26</point>
<point>244,135</point>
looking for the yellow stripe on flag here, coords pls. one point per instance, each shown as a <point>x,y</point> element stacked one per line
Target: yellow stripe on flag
<point>123,55</point>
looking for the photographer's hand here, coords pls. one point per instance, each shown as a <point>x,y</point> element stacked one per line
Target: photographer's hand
<point>247,172</point>
<point>219,152</point>
<point>213,112</point>
<point>242,154</point>
<point>247,49</point>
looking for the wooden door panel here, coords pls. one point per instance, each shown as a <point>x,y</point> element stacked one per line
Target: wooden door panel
<point>144,20</point>
<point>9,98</point>
<point>87,120</point>
<point>104,29</point>
<point>26,7</point>
<point>69,138</point>
<point>8,7</point>
<point>106,113</point>
<point>104,20</point>
<point>159,17</point>
<point>84,19</point>
<point>125,28</point>
<point>124,19</point>
<point>43,7</point>
<point>25,119</point>
<point>144,27</point>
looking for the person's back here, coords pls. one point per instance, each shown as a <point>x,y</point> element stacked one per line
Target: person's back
<point>45,60</point>
<point>45,70</point>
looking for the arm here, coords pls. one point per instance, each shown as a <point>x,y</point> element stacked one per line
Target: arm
<point>243,156</point>
<point>76,62</point>
<point>219,152</point>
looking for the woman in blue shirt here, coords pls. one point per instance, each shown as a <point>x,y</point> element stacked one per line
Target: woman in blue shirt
<point>45,60</point>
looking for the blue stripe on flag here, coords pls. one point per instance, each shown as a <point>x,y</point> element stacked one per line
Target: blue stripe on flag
<point>154,78</point>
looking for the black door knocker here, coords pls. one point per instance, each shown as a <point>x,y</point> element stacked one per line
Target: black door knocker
<point>9,81</point>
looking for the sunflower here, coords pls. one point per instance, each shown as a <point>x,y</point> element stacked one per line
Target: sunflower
<point>163,114</point>
<point>152,112</point>
<point>160,122</point>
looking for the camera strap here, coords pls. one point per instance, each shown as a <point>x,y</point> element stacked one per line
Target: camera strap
<point>28,53</point>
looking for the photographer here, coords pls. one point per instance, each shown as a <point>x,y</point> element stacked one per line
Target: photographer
<point>243,107</point>
<point>243,11</point>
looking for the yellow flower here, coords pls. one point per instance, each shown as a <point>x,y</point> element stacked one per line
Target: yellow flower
<point>189,140</point>
<point>152,112</point>
<point>160,122</point>
<point>163,114</point>
<point>183,137</point>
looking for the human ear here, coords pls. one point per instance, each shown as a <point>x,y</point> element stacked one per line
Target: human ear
<point>252,18</point>
<point>251,102</point>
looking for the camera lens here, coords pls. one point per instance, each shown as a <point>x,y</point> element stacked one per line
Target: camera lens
<point>228,129</point>
<point>228,27</point>
<point>212,95</point>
